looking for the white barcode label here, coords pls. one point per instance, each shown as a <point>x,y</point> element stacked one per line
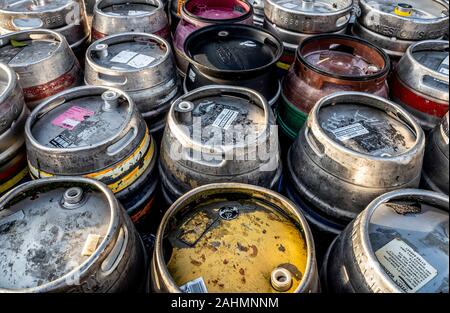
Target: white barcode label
<point>140,61</point>
<point>192,75</point>
<point>349,131</point>
<point>71,123</point>
<point>408,269</point>
<point>225,118</point>
<point>195,286</point>
<point>124,56</point>
<point>444,67</point>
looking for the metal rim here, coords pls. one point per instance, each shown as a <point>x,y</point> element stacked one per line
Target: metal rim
<point>238,188</point>
<point>55,101</point>
<point>108,238</point>
<point>11,77</point>
<point>121,38</point>
<point>306,13</point>
<point>200,32</point>
<point>381,73</point>
<point>101,4</point>
<point>217,89</point>
<point>426,196</point>
<point>376,102</point>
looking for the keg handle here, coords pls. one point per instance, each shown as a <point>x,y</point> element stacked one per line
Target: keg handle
<point>312,143</point>
<point>35,23</point>
<point>221,164</point>
<point>115,256</point>
<point>112,80</point>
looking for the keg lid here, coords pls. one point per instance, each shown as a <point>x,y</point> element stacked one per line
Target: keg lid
<point>408,233</point>
<point>35,6</point>
<point>24,49</point>
<point>82,117</point>
<point>229,116</point>
<point>128,52</point>
<point>128,8</point>
<point>216,10</point>
<point>48,228</point>
<point>310,6</point>
<point>366,129</point>
<point>232,48</point>
<point>232,240</point>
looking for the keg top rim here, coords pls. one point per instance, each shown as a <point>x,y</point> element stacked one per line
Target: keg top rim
<point>102,4</point>
<point>442,4</point>
<point>44,184</point>
<point>185,12</point>
<point>73,94</point>
<point>428,45</point>
<point>124,38</point>
<point>317,40</point>
<point>372,101</point>
<point>436,200</point>
<point>9,77</point>
<point>296,9</point>
<point>231,30</point>
<point>55,6</point>
<point>217,189</point>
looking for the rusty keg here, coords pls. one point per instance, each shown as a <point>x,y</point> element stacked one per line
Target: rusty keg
<point>236,55</point>
<point>325,64</point>
<point>67,17</point>
<point>435,164</point>
<point>219,134</point>
<point>13,113</point>
<point>68,234</point>
<point>234,238</point>
<point>196,14</point>
<point>395,26</point>
<point>95,132</point>
<point>293,21</point>
<point>421,81</point>
<point>122,16</point>
<point>44,62</point>
<point>140,64</point>
<point>398,244</point>
<point>353,148</point>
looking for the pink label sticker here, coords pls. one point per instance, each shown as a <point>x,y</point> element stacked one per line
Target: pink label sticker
<point>72,117</point>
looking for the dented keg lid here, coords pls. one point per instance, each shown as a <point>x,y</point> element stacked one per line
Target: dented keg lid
<point>83,117</point>
<point>343,57</point>
<point>366,124</point>
<point>128,52</point>
<point>241,49</point>
<point>232,238</point>
<point>407,233</point>
<point>229,116</point>
<point>309,16</point>
<point>51,227</point>
<point>127,8</point>
<point>27,47</point>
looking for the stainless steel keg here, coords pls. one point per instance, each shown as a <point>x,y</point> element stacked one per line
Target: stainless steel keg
<point>95,132</point>
<point>435,164</point>
<point>68,234</point>
<point>258,12</point>
<point>122,16</point>
<point>399,244</point>
<point>67,17</point>
<point>353,148</point>
<point>219,134</point>
<point>421,81</point>
<point>13,113</point>
<point>394,26</point>
<point>44,62</point>
<point>140,64</point>
<point>234,238</point>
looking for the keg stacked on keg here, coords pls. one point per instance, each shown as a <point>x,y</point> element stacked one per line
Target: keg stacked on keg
<point>13,114</point>
<point>295,20</point>
<point>67,17</point>
<point>394,26</point>
<point>347,158</point>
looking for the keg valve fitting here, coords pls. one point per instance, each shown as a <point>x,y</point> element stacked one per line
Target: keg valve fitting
<point>403,9</point>
<point>101,50</point>
<point>308,5</point>
<point>72,198</point>
<point>281,279</point>
<point>111,99</point>
<point>184,112</point>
